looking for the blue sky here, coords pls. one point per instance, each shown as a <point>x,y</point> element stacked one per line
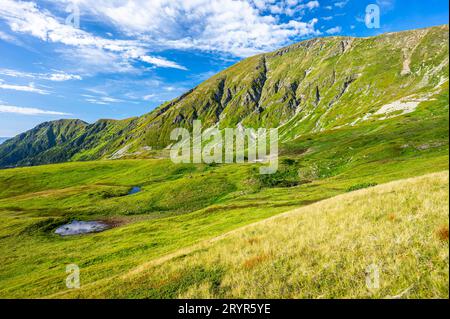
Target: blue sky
<point>126,57</point>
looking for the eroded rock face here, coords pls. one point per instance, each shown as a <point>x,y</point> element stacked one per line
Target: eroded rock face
<point>81,227</point>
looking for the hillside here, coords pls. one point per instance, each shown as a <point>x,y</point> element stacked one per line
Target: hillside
<point>364,129</point>
<point>180,205</point>
<point>41,143</point>
<point>325,250</point>
<point>308,88</point>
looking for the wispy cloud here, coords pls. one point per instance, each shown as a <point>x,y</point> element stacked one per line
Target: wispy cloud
<point>9,38</point>
<point>149,97</point>
<point>161,62</point>
<point>386,5</point>
<point>129,91</point>
<point>111,99</point>
<point>25,88</point>
<point>95,101</point>
<point>334,30</point>
<point>28,111</point>
<point>102,100</point>
<point>57,76</point>
<point>341,4</point>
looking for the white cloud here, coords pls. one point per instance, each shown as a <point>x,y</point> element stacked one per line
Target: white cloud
<point>27,111</point>
<point>312,4</point>
<point>25,88</point>
<point>327,18</point>
<point>111,99</point>
<point>334,30</point>
<point>8,38</point>
<point>57,76</point>
<point>26,17</point>
<point>96,91</point>
<point>102,100</point>
<point>95,101</point>
<point>149,97</point>
<point>286,7</point>
<point>161,62</point>
<point>341,4</point>
<point>386,5</point>
<point>88,61</point>
<point>241,28</point>
<point>360,18</point>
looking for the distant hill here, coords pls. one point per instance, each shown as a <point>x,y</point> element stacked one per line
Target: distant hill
<point>309,87</point>
<point>42,144</point>
<point>3,139</point>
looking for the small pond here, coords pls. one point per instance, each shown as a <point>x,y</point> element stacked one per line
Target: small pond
<point>80,227</point>
<point>134,190</point>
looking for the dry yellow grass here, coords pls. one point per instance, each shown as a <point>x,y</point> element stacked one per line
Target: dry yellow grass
<point>330,249</point>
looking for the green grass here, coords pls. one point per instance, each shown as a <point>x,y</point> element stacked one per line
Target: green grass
<point>325,250</point>
<point>183,205</point>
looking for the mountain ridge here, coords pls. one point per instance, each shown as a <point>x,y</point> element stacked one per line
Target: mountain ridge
<point>308,87</point>
<point>4,139</point>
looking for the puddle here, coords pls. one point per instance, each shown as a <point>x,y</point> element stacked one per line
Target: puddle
<point>134,190</point>
<point>79,227</point>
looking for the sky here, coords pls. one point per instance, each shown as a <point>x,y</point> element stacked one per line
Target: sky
<point>115,59</point>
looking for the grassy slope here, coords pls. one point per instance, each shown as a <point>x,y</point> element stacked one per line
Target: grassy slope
<point>318,251</point>
<point>44,138</point>
<point>183,205</point>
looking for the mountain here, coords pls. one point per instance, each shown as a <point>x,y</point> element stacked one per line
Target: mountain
<point>3,139</point>
<point>310,87</point>
<point>41,144</point>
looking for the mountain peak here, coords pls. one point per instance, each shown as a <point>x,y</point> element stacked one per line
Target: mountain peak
<point>308,87</point>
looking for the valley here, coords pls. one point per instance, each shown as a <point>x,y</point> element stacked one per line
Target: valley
<point>362,180</point>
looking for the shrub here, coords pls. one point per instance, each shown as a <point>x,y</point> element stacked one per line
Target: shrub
<point>284,177</point>
<point>442,233</point>
<point>288,161</point>
<point>361,186</point>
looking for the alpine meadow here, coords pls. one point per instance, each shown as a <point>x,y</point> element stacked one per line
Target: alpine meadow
<point>357,208</point>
